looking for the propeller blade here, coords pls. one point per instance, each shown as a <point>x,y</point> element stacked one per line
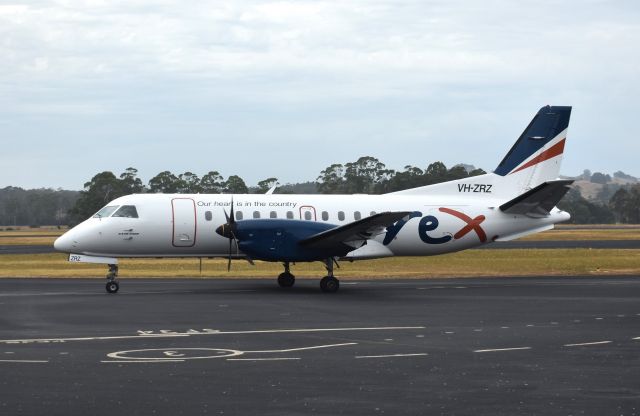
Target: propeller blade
<point>235,240</point>
<point>226,230</point>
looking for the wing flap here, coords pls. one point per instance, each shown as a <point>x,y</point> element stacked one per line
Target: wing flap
<point>360,230</point>
<point>539,201</point>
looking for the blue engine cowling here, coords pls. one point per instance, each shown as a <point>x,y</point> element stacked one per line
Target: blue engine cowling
<point>277,240</point>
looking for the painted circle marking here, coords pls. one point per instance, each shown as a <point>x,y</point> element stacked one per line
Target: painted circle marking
<point>161,354</point>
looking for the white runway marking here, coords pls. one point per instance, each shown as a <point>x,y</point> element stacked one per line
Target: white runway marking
<point>148,334</point>
<point>315,347</point>
<point>24,361</point>
<point>392,355</point>
<point>55,340</point>
<point>263,359</point>
<point>588,343</point>
<point>178,355</point>
<point>504,349</point>
<point>142,361</point>
<point>181,354</point>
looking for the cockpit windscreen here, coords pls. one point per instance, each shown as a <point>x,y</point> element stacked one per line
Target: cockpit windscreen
<point>106,211</point>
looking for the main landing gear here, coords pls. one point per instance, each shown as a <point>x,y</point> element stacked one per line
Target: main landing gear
<point>286,279</point>
<point>112,283</point>
<point>329,284</point>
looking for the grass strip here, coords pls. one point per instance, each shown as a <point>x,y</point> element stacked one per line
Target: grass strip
<point>516,262</point>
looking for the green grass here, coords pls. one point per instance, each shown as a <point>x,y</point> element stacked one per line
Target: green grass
<point>462,264</point>
<point>567,234</point>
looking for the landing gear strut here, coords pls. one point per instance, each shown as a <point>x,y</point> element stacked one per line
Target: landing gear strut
<point>286,279</point>
<point>112,283</point>
<point>329,284</point>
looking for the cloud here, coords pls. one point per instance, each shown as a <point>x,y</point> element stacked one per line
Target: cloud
<point>343,78</point>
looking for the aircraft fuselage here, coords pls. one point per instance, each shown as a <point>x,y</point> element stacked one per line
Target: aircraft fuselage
<point>177,225</point>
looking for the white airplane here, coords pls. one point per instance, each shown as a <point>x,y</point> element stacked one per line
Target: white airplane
<point>517,199</point>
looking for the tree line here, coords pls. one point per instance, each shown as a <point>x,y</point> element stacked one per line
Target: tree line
<point>35,206</point>
<point>365,175</point>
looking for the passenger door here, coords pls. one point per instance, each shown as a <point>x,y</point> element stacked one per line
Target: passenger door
<point>184,222</point>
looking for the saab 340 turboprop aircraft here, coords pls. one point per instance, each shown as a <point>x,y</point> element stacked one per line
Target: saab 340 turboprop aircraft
<point>517,199</point>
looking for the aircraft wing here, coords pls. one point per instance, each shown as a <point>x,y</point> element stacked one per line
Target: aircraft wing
<point>539,201</point>
<point>360,230</point>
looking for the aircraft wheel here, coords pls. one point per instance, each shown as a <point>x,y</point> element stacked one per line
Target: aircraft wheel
<point>112,286</point>
<point>286,279</point>
<point>329,284</point>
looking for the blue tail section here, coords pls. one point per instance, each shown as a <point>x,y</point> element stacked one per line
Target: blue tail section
<point>547,124</point>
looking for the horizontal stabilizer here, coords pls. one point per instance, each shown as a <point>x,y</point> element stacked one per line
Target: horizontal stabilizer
<point>359,230</point>
<point>539,201</point>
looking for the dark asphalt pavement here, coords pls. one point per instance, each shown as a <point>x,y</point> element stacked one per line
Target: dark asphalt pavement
<point>26,249</point>
<point>497,346</point>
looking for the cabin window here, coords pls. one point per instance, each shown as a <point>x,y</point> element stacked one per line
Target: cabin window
<point>208,216</point>
<point>256,214</point>
<point>273,214</point>
<point>239,215</point>
<point>357,215</point>
<point>126,211</point>
<point>307,215</point>
<point>289,215</point>
<point>325,216</point>
<point>373,213</point>
<point>341,215</point>
<point>106,211</point>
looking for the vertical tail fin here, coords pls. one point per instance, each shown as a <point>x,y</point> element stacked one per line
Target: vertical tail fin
<point>537,155</point>
<point>533,160</point>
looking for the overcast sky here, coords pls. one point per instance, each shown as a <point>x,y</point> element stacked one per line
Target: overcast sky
<point>286,88</point>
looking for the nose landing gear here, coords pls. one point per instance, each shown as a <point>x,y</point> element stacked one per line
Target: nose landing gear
<point>112,284</point>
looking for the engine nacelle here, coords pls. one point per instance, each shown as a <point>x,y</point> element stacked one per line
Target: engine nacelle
<point>277,240</point>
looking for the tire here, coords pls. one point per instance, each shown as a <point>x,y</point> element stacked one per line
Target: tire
<point>286,280</point>
<point>112,286</point>
<point>329,284</point>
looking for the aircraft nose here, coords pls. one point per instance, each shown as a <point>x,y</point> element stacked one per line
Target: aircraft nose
<point>64,243</point>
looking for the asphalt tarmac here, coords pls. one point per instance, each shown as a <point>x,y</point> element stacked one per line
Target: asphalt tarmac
<point>492,346</point>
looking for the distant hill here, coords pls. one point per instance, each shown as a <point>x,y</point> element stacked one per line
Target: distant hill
<point>599,187</point>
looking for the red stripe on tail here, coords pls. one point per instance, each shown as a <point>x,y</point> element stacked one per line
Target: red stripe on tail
<point>553,151</point>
